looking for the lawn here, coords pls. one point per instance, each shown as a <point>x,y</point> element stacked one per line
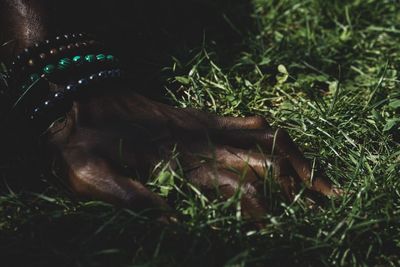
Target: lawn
<point>327,71</point>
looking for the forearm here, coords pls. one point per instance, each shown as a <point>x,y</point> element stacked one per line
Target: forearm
<point>22,23</point>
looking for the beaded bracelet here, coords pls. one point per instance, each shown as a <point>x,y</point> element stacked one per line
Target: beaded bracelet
<point>65,65</point>
<point>40,48</point>
<point>34,63</point>
<point>78,58</point>
<point>60,103</point>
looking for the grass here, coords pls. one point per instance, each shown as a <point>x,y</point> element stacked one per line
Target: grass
<point>327,71</point>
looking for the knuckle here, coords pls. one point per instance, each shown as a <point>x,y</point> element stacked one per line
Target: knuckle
<point>259,121</point>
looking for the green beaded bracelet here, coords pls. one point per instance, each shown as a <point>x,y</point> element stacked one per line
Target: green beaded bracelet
<point>66,63</point>
<point>49,69</point>
<point>90,58</point>
<point>101,57</point>
<point>33,77</point>
<point>78,60</point>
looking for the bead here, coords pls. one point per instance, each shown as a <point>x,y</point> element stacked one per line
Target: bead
<point>31,62</point>
<point>34,77</point>
<point>62,103</point>
<point>93,78</point>
<point>70,46</point>
<point>64,64</point>
<point>101,57</point>
<point>110,58</point>
<point>42,56</point>
<point>90,58</point>
<point>78,60</point>
<point>62,48</point>
<point>59,96</point>
<point>83,82</point>
<point>74,35</point>
<point>66,36</point>
<point>118,73</point>
<point>35,114</point>
<point>47,42</point>
<point>53,52</point>
<point>19,57</point>
<point>110,73</point>
<point>102,74</point>
<point>48,104</point>
<point>77,45</point>
<point>71,88</point>
<point>49,69</point>
<point>27,50</point>
<point>36,45</point>
<point>58,38</point>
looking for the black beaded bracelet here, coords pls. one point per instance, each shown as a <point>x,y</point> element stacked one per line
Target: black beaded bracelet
<point>35,63</point>
<point>41,47</point>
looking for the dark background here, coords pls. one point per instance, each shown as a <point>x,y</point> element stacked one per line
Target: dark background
<point>146,34</point>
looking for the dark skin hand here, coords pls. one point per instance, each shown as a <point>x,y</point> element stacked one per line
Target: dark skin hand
<point>210,147</point>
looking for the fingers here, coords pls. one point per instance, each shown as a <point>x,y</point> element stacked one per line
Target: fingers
<point>128,106</point>
<point>194,119</point>
<point>248,163</point>
<point>290,186</point>
<point>213,179</point>
<point>275,142</point>
<point>324,186</point>
<point>261,165</point>
<point>212,121</point>
<point>228,169</point>
<point>240,159</point>
<point>91,176</point>
<point>254,122</point>
<point>272,142</point>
